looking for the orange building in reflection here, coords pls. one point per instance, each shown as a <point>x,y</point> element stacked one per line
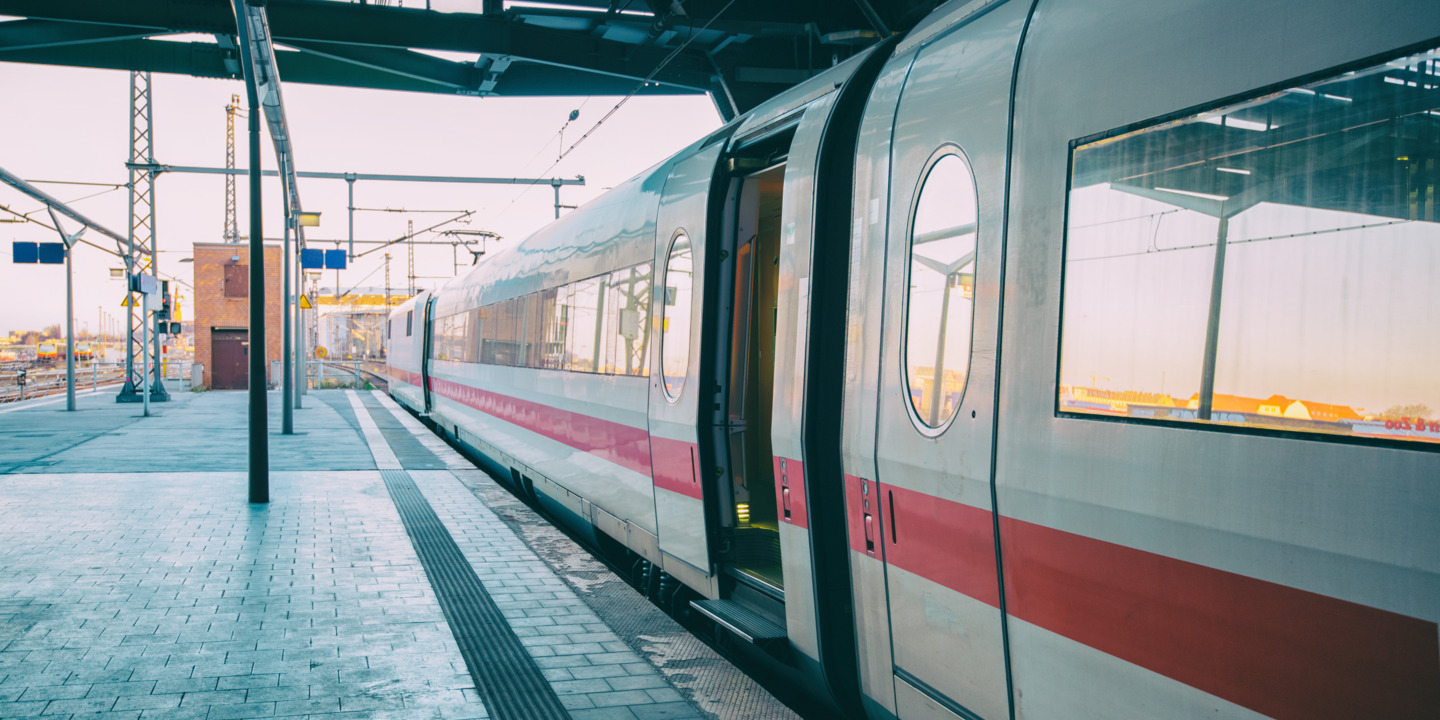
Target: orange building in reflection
<point>1278,406</point>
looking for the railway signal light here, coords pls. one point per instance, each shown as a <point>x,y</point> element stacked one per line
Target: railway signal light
<point>163,312</point>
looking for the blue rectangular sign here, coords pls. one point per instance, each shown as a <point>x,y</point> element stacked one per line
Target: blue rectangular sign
<point>52,253</point>
<point>26,252</point>
<point>312,259</point>
<point>335,259</point>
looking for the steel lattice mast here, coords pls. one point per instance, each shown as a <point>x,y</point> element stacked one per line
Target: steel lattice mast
<point>140,250</point>
<point>232,229</point>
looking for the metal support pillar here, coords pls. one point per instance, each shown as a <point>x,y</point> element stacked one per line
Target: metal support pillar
<point>69,242</point>
<point>145,357</point>
<point>1212,326</point>
<point>307,339</point>
<point>294,316</point>
<point>350,188</point>
<point>259,419</point>
<point>69,325</point>
<point>287,361</point>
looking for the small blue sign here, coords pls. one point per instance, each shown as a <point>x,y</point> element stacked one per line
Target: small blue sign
<point>26,252</point>
<point>52,253</point>
<point>312,259</point>
<point>335,259</point>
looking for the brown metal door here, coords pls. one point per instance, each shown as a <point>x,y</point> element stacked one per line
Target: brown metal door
<point>229,351</point>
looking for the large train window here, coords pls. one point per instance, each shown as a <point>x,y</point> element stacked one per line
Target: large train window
<point>942,288</point>
<point>1271,264</point>
<point>547,331</point>
<point>625,327</point>
<point>455,336</point>
<point>675,314</point>
<point>584,342</point>
<point>503,332</point>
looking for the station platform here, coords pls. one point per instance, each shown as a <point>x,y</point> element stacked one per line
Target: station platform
<point>386,578</point>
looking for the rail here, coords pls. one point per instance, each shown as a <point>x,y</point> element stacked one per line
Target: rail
<point>339,373</point>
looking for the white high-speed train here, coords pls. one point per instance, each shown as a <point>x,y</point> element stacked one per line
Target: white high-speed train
<point>1060,359</point>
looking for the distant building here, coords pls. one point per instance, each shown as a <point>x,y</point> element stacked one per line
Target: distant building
<point>1278,406</point>
<point>222,313</point>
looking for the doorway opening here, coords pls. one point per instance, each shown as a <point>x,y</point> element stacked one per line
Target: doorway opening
<point>752,557</point>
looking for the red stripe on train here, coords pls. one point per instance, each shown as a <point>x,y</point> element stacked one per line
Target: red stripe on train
<point>403,375</point>
<point>946,542</point>
<point>1278,650</point>
<point>677,466</point>
<point>621,444</point>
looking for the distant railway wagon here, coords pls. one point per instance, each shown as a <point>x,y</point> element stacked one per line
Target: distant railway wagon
<point>49,353</point>
<point>1059,359</point>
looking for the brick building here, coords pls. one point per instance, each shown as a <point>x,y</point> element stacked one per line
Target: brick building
<point>222,312</point>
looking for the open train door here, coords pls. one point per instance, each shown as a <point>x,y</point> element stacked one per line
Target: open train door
<point>926,513</point>
<point>677,396</point>
<point>426,347</point>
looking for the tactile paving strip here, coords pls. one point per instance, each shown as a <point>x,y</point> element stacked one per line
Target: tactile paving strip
<point>509,683</point>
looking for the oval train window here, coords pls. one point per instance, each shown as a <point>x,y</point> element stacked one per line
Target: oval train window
<point>675,314</point>
<point>942,289</point>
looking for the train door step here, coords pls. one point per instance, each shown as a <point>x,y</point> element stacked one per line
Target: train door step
<point>744,622</point>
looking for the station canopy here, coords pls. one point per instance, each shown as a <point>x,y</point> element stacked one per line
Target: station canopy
<point>740,52</point>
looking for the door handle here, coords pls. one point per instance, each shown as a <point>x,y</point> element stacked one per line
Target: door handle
<point>869,518</point>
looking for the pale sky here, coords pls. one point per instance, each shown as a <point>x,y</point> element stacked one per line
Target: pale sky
<point>72,124</point>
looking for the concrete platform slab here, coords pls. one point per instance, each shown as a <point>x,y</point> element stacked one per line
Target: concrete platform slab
<point>136,581</point>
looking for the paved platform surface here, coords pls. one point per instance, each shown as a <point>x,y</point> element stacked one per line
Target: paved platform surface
<point>136,581</point>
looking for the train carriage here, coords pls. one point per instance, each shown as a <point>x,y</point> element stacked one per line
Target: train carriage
<point>1057,359</point>
<point>406,333</point>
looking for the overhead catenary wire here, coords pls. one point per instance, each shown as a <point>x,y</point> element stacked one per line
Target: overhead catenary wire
<point>359,282</point>
<point>77,182</point>
<point>408,236</point>
<point>405,210</point>
<point>94,195</point>
<point>641,86</point>
<point>648,78</point>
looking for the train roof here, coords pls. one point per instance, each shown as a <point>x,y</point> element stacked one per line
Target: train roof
<point>617,229</point>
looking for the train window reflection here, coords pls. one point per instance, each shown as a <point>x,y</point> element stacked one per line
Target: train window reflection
<point>597,325</point>
<point>942,289</point>
<point>1272,264</point>
<point>548,335</point>
<point>675,314</point>
<point>456,336</point>
<point>625,331</point>
<point>503,330</point>
<point>584,340</point>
